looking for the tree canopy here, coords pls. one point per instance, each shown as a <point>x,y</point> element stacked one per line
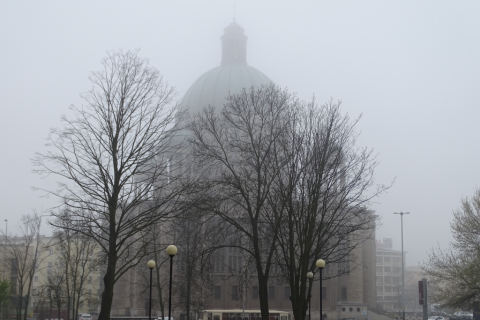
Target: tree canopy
<point>454,273</point>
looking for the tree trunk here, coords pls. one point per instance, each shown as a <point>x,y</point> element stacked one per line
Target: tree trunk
<point>263,296</point>
<point>109,281</point>
<point>188,290</point>
<point>59,307</point>
<point>159,289</point>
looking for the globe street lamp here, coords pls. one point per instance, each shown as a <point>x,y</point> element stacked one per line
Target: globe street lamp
<point>403,266</point>
<point>320,264</point>
<point>310,277</point>
<point>172,251</point>
<point>150,265</point>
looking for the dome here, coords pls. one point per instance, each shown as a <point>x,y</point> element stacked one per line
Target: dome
<point>215,85</point>
<point>230,77</point>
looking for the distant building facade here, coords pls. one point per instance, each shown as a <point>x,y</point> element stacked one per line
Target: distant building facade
<point>388,275</point>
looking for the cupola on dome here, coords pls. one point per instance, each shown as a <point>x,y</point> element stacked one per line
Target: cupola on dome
<point>229,78</point>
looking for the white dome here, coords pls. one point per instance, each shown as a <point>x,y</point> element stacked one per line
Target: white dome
<point>215,85</point>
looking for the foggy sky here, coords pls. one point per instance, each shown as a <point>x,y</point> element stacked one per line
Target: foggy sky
<point>410,68</point>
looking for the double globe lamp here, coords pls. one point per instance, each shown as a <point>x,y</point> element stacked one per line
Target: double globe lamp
<point>171,251</point>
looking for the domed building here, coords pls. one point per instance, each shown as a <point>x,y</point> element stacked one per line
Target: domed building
<point>230,77</point>
<point>346,296</point>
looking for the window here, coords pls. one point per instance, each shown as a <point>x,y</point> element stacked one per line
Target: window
<point>379,290</point>
<point>218,263</point>
<point>14,264</point>
<point>388,289</point>
<point>387,259</point>
<point>387,269</point>
<point>271,292</point>
<point>288,292</point>
<point>217,292</point>
<point>183,291</point>
<point>232,263</point>
<point>324,293</point>
<point>344,293</point>
<point>254,292</point>
<point>35,279</point>
<point>50,251</point>
<point>327,269</point>
<point>235,293</point>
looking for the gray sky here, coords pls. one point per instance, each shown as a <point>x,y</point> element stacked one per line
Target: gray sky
<point>411,68</point>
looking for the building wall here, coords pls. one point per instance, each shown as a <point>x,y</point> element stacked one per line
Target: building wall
<point>388,276</point>
<point>51,256</point>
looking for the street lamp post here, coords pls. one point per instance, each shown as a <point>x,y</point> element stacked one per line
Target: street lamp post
<point>5,249</point>
<point>310,277</point>
<point>403,265</point>
<point>172,251</point>
<point>320,264</point>
<point>150,265</point>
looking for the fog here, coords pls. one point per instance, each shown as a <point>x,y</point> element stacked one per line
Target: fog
<point>411,69</point>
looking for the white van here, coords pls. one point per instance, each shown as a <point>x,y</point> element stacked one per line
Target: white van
<point>84,316</point>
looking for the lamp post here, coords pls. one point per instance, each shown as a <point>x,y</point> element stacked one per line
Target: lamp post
<point>172,251</point>
<point>5,249</point>
<point>150,265</point>
<point>320,264</point>
<point>310,277</point>
<point>403,265</point>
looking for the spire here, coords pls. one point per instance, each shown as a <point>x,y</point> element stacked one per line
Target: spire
<point>234,45</point>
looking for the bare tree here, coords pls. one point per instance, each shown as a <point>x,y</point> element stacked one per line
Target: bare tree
<point>112,157</point>
<point>234,150</point>
<point>322,192</point>
<point>77,262</point>
<point>194,234</point>
<point>454,273</point>
<point>25,251</point>
<point>54,288</point>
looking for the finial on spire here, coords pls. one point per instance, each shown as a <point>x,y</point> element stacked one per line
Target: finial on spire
<point>234,10</point>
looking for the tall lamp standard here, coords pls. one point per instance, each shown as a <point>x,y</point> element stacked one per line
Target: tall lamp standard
<point>172,251</point>
<point>403,266</point>
<point>150,265</point>
<point>320,264</point>
<point>310,277</point>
